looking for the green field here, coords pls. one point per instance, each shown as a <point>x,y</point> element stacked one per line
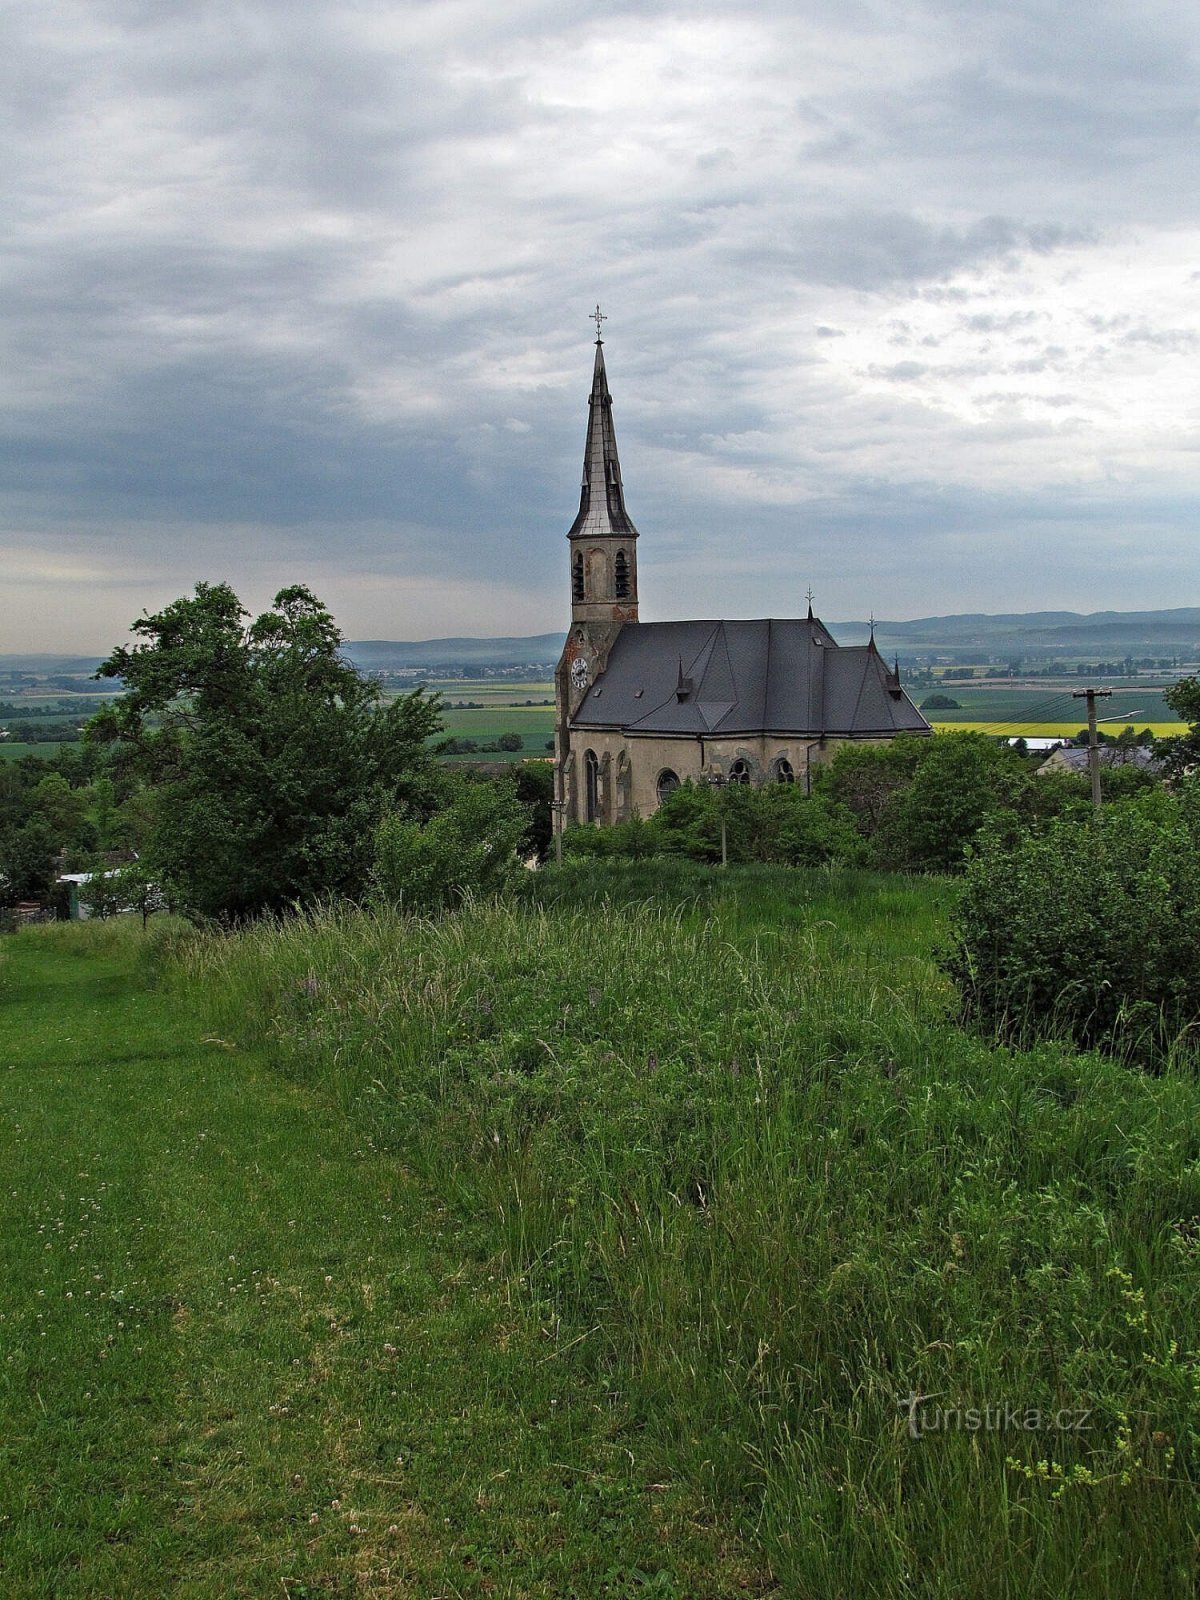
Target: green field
<point>595,1244</point>
<point>14,752</point>
<point>1011,711</point>
<point>1007,712</point>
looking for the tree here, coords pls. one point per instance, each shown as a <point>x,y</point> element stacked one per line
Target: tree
<point>535,790</point>
<point>510,741</point>
<point>1181,754</point>
<point>27,862</point>
<point>864,777</point>
<point>272,758</point>
<point>961,779</point>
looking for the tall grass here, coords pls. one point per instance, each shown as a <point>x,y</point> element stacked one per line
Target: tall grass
<point>723,1132</point>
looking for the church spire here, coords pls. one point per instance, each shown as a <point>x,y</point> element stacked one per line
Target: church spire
<point>602,512</point>
<point>603,539</point>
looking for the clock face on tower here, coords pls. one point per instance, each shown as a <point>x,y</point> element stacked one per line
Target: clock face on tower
<point>580,672</point>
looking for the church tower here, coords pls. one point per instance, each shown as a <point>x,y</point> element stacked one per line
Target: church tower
<point>602,546</point>
<point>602,542</point>
<point>603,539</point>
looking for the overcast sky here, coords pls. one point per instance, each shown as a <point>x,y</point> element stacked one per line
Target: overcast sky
<point>903,303</point>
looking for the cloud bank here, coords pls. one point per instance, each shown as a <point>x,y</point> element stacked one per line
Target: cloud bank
<point>902,304</point>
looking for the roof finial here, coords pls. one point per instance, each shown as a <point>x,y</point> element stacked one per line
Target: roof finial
<point>810,597</point>
<point>598,317</point>
<point>872,627</point>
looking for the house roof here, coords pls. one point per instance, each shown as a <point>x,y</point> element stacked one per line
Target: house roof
<point>602,512</point>
<point>767,676</point>
<point>1075,759</point>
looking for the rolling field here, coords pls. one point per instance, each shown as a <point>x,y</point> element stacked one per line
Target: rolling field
<point>1048,730</point>
<point>1047,708</point>
<point>535,724</point>
<point>14,752</point>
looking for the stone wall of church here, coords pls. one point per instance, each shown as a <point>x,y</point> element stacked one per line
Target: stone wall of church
<point>628,774</point>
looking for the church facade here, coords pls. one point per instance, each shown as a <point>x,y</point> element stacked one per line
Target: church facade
<point>641,707</point>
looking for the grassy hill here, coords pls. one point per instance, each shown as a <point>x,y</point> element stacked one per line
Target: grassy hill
<point>658,1234</point>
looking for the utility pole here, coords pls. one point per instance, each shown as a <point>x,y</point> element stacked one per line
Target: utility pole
<point>1093,747</point>
<point>717,781</point>
<point>558,812</point>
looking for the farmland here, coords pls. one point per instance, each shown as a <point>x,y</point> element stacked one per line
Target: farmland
<point>481,709</point>
<point>1042,707</point>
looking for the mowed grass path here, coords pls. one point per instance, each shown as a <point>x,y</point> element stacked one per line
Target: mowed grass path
<point>242,1355</point>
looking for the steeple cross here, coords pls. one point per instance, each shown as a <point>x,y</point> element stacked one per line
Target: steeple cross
<point>810,597</point>
<point>598,317</point>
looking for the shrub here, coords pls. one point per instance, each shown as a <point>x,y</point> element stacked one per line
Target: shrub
<point>468,847</point>
<point>1088,927</point>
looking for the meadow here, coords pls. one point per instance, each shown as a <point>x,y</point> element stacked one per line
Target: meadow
<point>15,752</point>
<point>657,1233</point>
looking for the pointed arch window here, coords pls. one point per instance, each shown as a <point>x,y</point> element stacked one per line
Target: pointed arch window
<point>783,771</point>
<point>667,784</point>
<point>591,766</point>
<point>739,772</point>
<point>577,576</point>
<point>621,571</point>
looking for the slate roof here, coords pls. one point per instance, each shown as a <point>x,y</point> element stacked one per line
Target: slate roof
<point>769,676</point>
<point>602,510</point>
<point>1075,759</point>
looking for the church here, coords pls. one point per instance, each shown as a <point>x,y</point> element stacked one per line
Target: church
<point>641,707</point>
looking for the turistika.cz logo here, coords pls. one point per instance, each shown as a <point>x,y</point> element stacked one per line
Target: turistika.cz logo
<point>922,1416</point>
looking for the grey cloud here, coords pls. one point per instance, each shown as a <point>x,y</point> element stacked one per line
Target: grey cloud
<point>323,270</point>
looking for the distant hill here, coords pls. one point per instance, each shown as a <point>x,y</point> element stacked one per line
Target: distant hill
<point>1032,633</point>
<point>43,666</point>
<point>390,655</point>
<point>963,635</point>
<point>1138,633</point>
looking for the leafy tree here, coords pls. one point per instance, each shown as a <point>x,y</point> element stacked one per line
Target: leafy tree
<point>1182,753</point>
<point>272,758</point>
<point>960,780</point>
<point>864,777</point>
<point>61,808</point>
<point>27,862</point>
<point>510,741</point>
<point>135,889</point>
<point>534,782</point>
<point>777,823</point>
<point>688,823</point>
<point>101,894</point>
